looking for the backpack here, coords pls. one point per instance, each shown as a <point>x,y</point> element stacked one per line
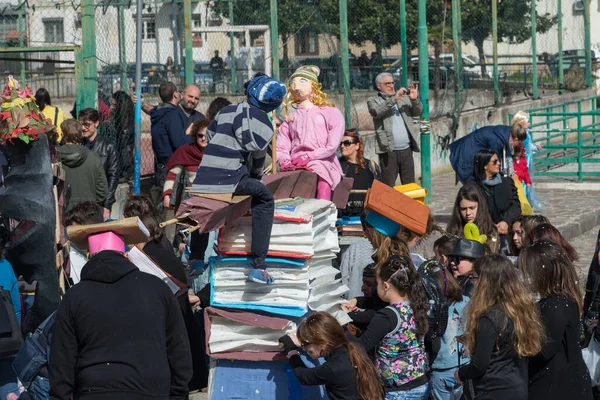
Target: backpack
<point>10,332</point>
<point>438,304</point>
<point>35,352</point>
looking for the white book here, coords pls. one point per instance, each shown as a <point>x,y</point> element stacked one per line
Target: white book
<point>147,265</point>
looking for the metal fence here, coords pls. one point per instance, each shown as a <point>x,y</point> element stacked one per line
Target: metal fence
<point>465,55</point>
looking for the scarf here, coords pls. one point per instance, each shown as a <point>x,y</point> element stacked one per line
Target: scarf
<point>495,181</point>
<point>187,155</point>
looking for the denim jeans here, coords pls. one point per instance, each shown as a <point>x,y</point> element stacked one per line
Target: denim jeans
<point>444,386</point>
<point>418,393</point>
<point>262,209</point>
<point>40,388</point>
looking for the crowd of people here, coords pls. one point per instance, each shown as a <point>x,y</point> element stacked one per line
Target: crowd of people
<point>488,308</point>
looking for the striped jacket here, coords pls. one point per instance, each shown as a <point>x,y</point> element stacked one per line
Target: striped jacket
<point>237,145</point>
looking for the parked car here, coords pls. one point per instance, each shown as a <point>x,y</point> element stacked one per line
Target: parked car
<point>570,58</point>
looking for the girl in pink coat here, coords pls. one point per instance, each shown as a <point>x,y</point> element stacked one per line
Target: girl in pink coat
<point>312,133</point>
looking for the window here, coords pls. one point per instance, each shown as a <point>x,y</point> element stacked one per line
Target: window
<point>197,21</point>
<point>8,23</point>
<point>307,43</point>
<point>148,27</point>
<point>54,31</point>
<point>197,36</point>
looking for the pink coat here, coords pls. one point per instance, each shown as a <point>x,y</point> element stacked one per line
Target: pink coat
<point>316,132</point>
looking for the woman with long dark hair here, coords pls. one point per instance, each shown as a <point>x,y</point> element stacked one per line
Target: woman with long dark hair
<point>355,166</point>
<point>122,115</point>
<point>558,370</point>
<point>549,232</point>
<point>500,194</point>
<point>347,372</point>
<point>503,328</point>
<point>471,206</point>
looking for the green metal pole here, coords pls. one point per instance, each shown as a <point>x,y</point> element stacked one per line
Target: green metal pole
<point>345,59</point>
<point>20,27</point>
<point>123,49</point>
<point>274,40</point>
<point>403,43</point>
<point>460,60</point>
<point>495,50</point>
<point>90,73</point>
<point>534,50</point>
<point>232,49</point>
<point>587,44</point>
<point>457,54</point>
<point>561,75</point>
<point>78,78</point>
<point>424,93</point>
<point>187,34</point>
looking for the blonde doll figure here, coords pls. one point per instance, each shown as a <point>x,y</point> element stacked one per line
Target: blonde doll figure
<point>311,134</point>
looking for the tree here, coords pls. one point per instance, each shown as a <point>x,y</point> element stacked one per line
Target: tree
<point>514,22</point>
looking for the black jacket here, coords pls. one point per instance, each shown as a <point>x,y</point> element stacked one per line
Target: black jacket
<point>337,374</point>
<point>119,334</point>
<point>502,200</point>
<point>168,130</point>
<point>495,372</point>
<point>108,155</point>
<point>558,371</point>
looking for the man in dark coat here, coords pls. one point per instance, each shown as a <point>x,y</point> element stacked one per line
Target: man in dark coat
<point>119,334</point>
<point>501,139</point>
<point>168,130</point>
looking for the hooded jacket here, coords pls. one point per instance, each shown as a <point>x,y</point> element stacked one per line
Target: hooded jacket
<point>110,162</point>
<point>462,151</point>
<point>84,174</point>
<point>119,334</point>
<point>168,130</point>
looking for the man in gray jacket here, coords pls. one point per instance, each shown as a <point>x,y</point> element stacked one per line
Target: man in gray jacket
<point>393,112</point>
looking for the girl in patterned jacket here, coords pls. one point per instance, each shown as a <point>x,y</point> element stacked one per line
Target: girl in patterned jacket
<point>397,332</point>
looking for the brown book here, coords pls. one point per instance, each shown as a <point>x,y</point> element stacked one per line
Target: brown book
<point>398,207</point>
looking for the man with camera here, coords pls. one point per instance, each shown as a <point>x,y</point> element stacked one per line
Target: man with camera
<point>393,112</point>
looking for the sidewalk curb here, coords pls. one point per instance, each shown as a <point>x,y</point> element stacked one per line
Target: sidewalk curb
<point>582,224</point>
<point>587,186</point>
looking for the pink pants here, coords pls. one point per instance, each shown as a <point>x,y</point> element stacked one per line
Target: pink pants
<point>323,190</point>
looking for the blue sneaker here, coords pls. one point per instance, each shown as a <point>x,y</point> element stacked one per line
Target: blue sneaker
<point>260,275</point>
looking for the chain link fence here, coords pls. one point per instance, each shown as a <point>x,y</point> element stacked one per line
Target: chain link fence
<point>230,41</point>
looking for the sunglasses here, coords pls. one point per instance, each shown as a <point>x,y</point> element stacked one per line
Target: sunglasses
<point>347,143</point>
<point>456,259</point>
<point>201,137</point>
<point>495,162</point>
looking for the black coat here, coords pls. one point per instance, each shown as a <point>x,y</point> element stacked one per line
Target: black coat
<point>108,155</point>
<point>558,371</point>
<point>495,372</point>
<point>163,255</point>
<point>502,200</point>
<point>119,335</point>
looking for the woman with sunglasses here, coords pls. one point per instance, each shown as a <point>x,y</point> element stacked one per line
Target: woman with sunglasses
<point>355,166</point>
<point>500,193</point>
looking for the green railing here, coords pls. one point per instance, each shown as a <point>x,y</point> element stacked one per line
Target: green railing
<point>568,135</point>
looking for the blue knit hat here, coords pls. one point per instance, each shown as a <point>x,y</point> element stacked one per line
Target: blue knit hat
<point>265,93</point>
